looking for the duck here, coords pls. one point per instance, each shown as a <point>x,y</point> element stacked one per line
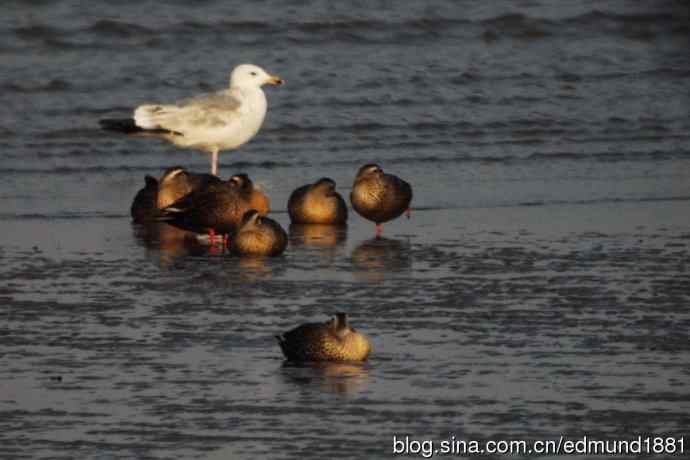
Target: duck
<point>144,208</point>
<point>218,207</point>
<point>258,235</point>
<point>317,203</point>
<point>210,123</point>
<point>176,183</point>
<point>380,197</point>
<point>333,340</point>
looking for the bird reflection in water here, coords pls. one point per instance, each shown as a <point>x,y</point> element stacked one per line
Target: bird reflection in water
<point>331,377</point>
<point>374,259</point>
<point>167,243</point>
<point>253,268</point>
<point>317,235</point>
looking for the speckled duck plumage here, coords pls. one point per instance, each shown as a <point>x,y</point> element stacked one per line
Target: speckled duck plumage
<point>259,236</point>
<point>317,203</point>
<point>219,206</point>
<point>333,340</point>
<point>379,197</point>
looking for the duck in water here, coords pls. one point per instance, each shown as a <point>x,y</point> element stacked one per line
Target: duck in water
<point>259,236</point>
<point>217,208</point>
<point>317,203</point>
<point>175,183</point>
<point>380,197</point>
<point>333,340</point>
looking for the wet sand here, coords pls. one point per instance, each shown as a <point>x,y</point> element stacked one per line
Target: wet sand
<point>504,322</point>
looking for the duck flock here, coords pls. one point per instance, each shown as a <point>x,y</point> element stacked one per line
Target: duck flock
<point>234,212</point>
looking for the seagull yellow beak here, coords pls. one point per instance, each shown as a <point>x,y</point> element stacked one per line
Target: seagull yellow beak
<point>275,80</point>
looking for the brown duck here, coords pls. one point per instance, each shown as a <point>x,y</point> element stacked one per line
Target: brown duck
<point>175,183</point>
<point>317,203</point>
<point>380,197</point>
<point>218,207</point>
<point>333,340</point>
<point>259,236</point>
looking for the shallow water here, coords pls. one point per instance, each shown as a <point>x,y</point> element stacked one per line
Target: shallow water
<point>540,288</point>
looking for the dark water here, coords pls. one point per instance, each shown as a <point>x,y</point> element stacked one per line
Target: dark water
<point>540,289</point>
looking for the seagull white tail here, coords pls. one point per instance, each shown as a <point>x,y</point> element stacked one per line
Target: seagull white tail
<point>145,116</point>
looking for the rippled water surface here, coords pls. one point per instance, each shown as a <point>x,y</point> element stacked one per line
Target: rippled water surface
<point>540,288</point>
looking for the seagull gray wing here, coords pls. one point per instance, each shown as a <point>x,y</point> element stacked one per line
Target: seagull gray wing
<point>202,112</point>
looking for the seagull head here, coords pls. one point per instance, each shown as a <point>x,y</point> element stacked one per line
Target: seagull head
<point>249,75</point>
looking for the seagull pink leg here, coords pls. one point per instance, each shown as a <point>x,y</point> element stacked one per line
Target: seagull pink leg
<point>379,229</point>
<point>214,162</point>
<point>408,212</point>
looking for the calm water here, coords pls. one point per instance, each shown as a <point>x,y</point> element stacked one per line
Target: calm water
<point>540,289</point>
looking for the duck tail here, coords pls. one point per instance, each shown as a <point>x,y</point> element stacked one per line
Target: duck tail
<point>151,181</point>
<point>340,320</point>
<point>283,346</point>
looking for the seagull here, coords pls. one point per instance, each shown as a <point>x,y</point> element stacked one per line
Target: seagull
<point>223,120</point>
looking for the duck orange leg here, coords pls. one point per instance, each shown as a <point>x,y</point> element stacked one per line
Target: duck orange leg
<point>212,241</point>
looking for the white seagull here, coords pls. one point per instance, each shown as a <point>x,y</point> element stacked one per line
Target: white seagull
<point>212,122</point>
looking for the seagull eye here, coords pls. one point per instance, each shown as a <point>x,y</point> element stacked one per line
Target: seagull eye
<point>253,74</point>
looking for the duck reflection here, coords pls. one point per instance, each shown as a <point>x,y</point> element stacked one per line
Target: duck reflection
<point>341,378</point>
<point>317,235</point>
<point>375,258</point>
<point>253,268</point>
<point>167,242</point>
